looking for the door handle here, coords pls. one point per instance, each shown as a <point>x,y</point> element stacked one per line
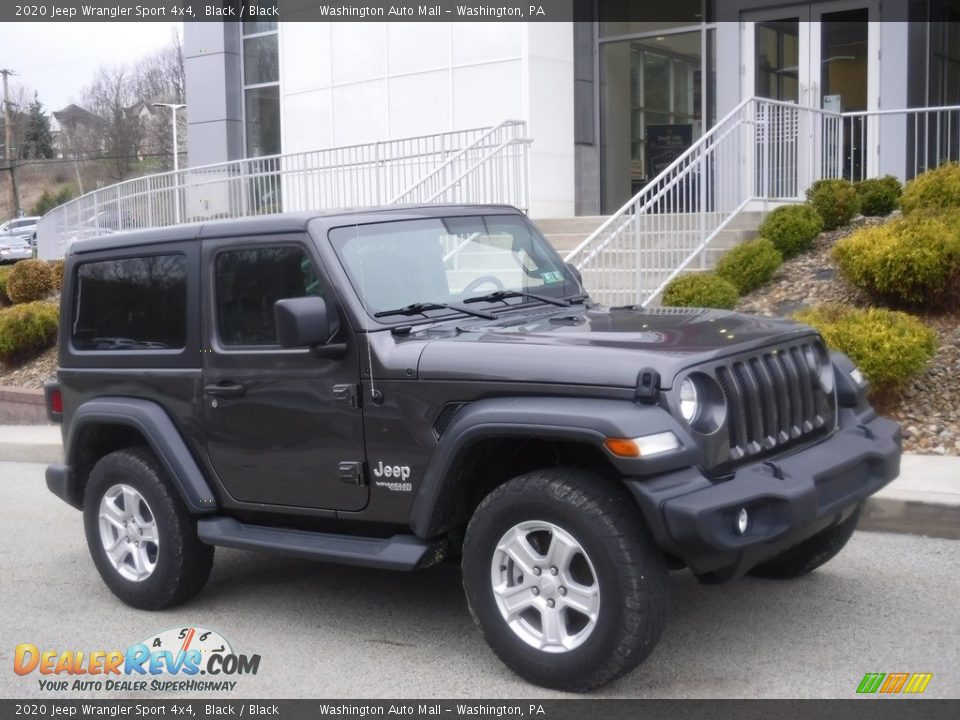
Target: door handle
<point>225,389</point>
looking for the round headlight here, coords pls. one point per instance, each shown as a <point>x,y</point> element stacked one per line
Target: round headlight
<point>689,400</point>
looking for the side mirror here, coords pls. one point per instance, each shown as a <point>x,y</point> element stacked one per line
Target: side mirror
<point>304,322</point>
<point>576,273</point>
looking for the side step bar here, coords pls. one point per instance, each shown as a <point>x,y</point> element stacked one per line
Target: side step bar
<point>400,552</point>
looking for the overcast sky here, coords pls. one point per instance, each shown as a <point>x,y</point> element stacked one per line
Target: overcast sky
<point>59,59</point>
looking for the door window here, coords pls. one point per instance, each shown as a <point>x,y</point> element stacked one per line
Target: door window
<point>248,283</point>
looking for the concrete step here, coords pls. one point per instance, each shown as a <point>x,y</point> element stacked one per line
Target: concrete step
<point>578,224</point>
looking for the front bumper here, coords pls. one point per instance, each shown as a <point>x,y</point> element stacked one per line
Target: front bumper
<point>788,498</point>
<point>14,255</point>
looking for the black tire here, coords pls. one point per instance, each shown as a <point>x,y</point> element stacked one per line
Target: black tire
<point>807,556</point>
<point>182,562</point>
<point>627,568</point>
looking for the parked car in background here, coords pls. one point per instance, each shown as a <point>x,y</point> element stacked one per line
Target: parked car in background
<point>25,227</point>
<point>15,248</point>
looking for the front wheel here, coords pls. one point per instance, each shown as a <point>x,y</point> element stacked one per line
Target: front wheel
<point>562,579</point>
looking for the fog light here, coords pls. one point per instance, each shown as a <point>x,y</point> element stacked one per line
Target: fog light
<point>858,377</point>
<point>743,520</point>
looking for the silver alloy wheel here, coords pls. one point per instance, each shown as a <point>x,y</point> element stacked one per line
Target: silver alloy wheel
<point>545,586</point>
<point>128,533</point>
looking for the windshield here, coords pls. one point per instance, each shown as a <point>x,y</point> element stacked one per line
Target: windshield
<point>443,261</point>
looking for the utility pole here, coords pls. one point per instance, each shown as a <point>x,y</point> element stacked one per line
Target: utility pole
<point>8,141</point>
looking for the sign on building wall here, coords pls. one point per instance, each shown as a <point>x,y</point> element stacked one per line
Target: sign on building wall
<point>665,143</point>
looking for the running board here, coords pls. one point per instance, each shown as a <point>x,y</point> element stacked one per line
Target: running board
<point>400,552</point>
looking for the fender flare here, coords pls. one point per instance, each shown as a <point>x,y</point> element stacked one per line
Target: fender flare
<point>153,423</point>
<point>587,420</point>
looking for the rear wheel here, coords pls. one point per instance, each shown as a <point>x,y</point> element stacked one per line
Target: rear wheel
<point>566,586</point>
<point>807,556</point>
<point>141,537</point>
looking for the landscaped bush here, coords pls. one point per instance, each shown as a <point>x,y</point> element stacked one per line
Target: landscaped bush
<point>56,270</point>
<point>912,260</point>
<point>27,330</point>
<point>700,290</point>
<point>4,274</point>
<point>933,190</point>
<point>792,228</point>
<point>29,280</point>
<point>750,265</point>
<point>836,201</point>
<point>889,347</point>
<point>879,196</point>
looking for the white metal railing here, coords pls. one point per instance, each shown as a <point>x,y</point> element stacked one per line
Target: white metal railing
<point>928,137</point>
<point>481,165</point>
<point>762,148</point>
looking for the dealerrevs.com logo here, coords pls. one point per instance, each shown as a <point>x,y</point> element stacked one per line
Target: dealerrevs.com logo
<point>175,660</point>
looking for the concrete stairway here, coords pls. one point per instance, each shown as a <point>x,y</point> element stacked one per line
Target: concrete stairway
<point>566,233</point>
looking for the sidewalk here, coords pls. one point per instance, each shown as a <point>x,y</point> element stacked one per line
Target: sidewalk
<point>924,500</point>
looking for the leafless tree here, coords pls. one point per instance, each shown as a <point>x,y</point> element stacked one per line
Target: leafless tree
<point>109,96</point>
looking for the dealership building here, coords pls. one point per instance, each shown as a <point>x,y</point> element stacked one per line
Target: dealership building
<point>607,104</point>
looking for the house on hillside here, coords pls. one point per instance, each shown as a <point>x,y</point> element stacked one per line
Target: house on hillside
<point>77,132</point>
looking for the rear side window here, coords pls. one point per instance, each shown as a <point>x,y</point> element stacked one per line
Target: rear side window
<point>137,303</point>
<point>249,282</point>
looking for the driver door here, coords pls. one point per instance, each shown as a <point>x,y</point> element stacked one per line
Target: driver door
<point>280,423</point>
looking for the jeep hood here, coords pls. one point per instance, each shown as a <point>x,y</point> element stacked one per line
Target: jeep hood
<point>595,346</point>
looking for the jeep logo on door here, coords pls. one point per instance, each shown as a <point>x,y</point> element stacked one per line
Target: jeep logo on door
<point>400,473</point>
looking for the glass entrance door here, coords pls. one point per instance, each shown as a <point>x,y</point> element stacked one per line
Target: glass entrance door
<point>818,55</point>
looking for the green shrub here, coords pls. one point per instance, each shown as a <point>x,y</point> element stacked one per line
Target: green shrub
<point>5,271</point>
<point>27,330</point>
<point>836,201</point>
<point>49,200</point>
<point>700,290</point>
<point>792,228</point>
<point>56,270</point>
<point>889,347</point>
<point>933,190</point>
<point>29,280</point>
<point>749,265</point>
<point>911,260</point>
<point>879,196</point>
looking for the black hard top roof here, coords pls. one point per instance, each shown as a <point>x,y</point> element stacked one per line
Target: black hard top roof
<point>279,224</point>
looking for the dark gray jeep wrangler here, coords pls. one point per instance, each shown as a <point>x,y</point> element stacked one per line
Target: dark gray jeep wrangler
<point>396,386</point>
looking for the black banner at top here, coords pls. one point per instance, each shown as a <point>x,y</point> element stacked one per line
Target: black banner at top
<point>674,12</point>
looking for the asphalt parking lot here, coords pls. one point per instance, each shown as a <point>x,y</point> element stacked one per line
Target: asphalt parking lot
<point>888,603</point>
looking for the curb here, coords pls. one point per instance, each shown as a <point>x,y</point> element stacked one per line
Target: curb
<point>909,517</point>
<point>31,444</point>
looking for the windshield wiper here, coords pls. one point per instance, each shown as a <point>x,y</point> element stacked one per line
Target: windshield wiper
<point>422,307</point>
<point>504,294</point>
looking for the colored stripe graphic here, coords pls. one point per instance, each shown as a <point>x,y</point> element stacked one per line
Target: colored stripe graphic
<point>894,682</point>
<point>918,682</point>
<point>870,682</point>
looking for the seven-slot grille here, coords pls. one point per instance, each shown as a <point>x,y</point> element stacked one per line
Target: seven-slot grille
<point>774,398</point>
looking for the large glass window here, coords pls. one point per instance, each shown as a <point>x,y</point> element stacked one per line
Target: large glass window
<point>652,101</point>
<point>135,303</point>
<point>261,82</point>
<point>250,281</point>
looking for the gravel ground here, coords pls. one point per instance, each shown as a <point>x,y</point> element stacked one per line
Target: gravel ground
<point>33,374</point>
<point>929,406</point>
